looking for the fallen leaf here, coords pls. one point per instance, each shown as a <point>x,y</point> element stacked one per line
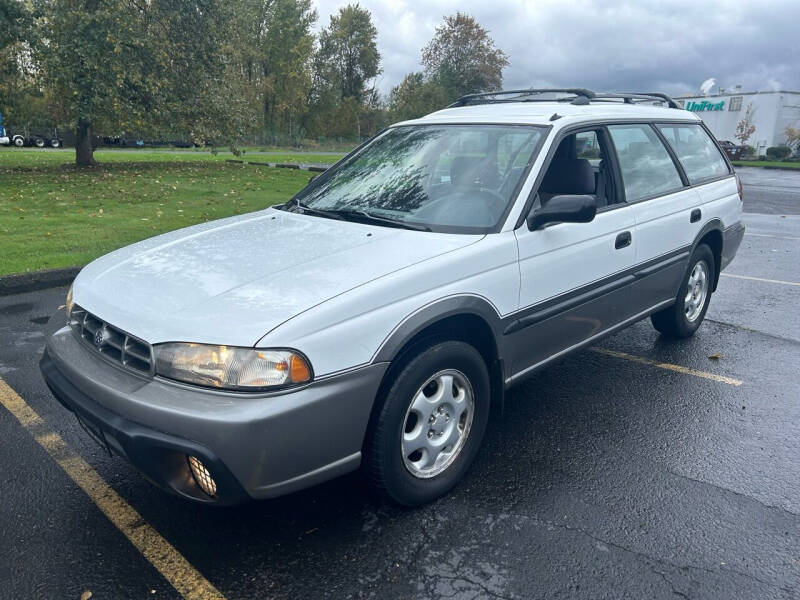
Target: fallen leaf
<point>86,595</point>
<point>716,356</point>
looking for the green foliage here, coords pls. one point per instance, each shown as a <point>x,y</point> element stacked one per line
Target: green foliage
<point>348,53</point>
<point>347,59</point>
<point>416,96</point>
<point>223,72</point>
<point>275,48</point>
<point>778,152</point>
<point>131,65</point>
<point>462,57</point>
<point>22,103</point>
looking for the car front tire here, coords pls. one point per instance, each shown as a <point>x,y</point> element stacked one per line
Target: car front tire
<point>429,424</point>
<point>684,317</point>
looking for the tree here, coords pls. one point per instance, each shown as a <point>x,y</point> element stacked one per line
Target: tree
<point>463,58</point>
<point>349,46</point>
<point>793,138</point>
<point>276,47</point>
<point>745,128</point>
<point>22,102</point>
<point>347,59</point>
<point>416,96</point>
<point>138,65</point>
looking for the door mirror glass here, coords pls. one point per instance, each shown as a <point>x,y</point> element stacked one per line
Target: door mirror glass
<point>564,209</point>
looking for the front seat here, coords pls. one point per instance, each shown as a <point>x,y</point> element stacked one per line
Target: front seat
<point>567,176</point>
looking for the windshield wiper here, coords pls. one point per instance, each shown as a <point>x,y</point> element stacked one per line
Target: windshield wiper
<point>328,214</point>
<point>359,215</point>
<point>373,218</point>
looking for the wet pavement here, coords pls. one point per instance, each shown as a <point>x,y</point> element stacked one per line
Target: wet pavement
<point>604,478</point>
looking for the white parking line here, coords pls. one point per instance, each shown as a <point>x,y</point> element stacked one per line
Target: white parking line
<point>779,237</point>
<point>760,279</point>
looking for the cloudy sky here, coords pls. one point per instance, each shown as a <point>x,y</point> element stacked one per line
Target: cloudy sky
<point>637,45</point>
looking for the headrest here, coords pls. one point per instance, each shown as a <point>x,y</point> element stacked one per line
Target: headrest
<point>569,176</point>
<point>464,171</point>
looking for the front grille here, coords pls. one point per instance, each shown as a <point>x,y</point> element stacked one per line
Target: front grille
<point>116,345</point>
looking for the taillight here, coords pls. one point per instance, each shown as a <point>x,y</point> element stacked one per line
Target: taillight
<point>739,187</point>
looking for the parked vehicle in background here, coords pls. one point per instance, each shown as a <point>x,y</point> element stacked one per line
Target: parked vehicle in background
<point>39,139</point>
<point>374,319</point>
<point>731,150</point>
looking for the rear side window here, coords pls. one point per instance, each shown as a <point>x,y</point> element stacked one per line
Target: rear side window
<point>647,168</point>
<point>697,152</point>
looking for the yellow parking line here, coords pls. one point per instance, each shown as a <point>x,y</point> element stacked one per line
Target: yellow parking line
<point>760,279</point>
<point>159,552</point>
<point>669,366</point>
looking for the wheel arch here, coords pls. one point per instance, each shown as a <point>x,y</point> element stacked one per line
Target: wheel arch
<point>468,318</point>
<point>711,235</point>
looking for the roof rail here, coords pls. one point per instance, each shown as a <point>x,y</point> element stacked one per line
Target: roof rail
<point>581,96</point>
<point>630,97</point>
<point>486,97</point>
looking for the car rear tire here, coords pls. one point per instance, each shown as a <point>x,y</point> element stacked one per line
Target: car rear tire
<point>38,142</point>
<point>429,424</point>
<point>684,317</point>
<point>54,143</point>
<point>19,141</point>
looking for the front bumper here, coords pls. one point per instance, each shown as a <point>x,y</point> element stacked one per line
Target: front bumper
<point>255,446</point>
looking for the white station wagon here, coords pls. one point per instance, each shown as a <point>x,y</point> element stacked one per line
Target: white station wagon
<point>374,319</point>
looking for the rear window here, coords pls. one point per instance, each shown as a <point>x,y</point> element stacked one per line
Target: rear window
<point>647,168</point>
<point>696,151</point>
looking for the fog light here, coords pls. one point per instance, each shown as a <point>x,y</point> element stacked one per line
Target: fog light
<point>202,477</point>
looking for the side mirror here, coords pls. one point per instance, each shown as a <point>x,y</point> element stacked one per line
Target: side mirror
<point>564,209</point>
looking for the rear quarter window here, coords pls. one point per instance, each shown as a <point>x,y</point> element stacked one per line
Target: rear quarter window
<point>696,151</point>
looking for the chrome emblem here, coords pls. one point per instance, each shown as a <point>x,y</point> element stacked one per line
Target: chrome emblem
<point>99,338</point>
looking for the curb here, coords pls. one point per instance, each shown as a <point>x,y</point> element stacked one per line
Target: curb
<point>36,280</point>
<point>301,166</point>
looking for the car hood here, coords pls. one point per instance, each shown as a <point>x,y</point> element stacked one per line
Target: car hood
<point>233,280</point>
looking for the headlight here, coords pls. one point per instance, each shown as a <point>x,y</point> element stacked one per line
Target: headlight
<point>229,368</point>
<point>69,303</point>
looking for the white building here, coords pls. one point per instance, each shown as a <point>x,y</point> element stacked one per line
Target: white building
<point>771,113</point>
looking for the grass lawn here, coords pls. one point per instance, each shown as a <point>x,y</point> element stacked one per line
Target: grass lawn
<point>766,163</point>
<point>22,158</point>
<point>54,215</point>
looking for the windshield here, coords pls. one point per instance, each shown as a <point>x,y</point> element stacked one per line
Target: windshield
<point>451,178</point>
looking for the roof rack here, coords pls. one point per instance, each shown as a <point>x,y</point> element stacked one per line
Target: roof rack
<point>579,96</point>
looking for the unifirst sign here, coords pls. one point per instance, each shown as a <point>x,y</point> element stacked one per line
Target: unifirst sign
<point>704,105</point>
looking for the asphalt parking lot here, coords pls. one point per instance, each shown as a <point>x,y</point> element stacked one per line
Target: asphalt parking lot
<point>642,468</point>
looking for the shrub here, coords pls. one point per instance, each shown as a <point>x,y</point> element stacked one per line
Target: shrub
<point>778,152</point>
<point>748,152</point>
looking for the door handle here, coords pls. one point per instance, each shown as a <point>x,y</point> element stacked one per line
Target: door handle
<point>695,216</point>
<point>623,240</point>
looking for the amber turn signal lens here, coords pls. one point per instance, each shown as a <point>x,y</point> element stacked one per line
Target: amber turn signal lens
<point>298,370</point>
